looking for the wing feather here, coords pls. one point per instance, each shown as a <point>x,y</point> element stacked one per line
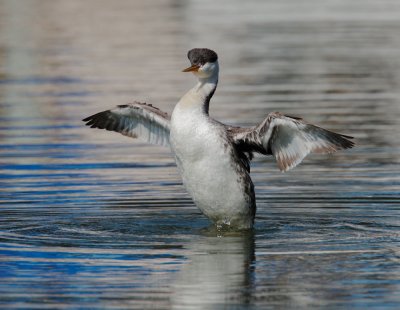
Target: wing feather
<point>135,120</point>
<point>288,139</point>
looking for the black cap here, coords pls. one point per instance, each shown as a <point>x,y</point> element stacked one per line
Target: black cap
<point>199,56</point>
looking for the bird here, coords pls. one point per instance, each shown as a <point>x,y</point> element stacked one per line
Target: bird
<point>214,158</point>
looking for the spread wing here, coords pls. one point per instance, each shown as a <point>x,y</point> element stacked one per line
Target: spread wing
<point>288,139</point>
<point>136,120</point>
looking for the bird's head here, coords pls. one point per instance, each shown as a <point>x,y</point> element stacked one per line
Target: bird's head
<point>204,63</point>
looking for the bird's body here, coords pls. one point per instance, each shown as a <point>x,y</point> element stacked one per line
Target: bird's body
<point>218,183</point>
<point>213,158</point>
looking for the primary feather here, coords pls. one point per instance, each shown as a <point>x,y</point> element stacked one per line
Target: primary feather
<point>136,120</point>
<point>288,139</point>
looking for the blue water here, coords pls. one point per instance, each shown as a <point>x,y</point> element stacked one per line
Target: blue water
<point>91,219</point>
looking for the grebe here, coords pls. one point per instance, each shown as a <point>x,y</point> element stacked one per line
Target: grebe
<point>214,158</point>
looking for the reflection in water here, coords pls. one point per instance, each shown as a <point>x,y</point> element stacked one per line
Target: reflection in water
<point>219,272</point>
<point>306,279</point>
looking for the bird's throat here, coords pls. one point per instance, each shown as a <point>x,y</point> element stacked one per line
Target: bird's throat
<point>204,90</point>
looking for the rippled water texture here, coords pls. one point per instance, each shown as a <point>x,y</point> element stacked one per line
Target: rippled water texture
<point>91,219</point>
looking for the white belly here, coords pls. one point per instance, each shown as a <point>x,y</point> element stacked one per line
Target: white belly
<point>204,158</point>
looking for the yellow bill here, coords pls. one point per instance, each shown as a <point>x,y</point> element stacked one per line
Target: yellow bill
<point>192,68</point>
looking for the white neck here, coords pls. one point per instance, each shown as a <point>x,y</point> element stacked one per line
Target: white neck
<point>205,88</point>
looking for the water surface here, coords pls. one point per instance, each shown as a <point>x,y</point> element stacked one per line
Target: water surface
<point>91,219</point>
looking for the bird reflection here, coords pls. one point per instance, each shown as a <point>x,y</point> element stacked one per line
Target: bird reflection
<point>219,271</point>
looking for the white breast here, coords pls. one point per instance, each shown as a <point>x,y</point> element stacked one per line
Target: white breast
<point>204,158</point>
